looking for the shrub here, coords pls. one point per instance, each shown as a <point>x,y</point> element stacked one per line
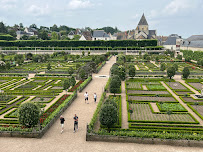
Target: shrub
<point>28,114</point>
<point>132,71</point>
<point>186,72</point>
<point>108,115</point>
<point>171,72</point>
<point>163,67</point>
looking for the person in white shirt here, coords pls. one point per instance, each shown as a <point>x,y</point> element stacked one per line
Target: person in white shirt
<point>95,97</point>
<point>86,97</point>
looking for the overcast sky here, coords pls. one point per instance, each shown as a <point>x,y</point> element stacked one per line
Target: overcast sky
<point>184,17</point>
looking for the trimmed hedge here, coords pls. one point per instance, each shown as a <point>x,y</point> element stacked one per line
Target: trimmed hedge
<point>64,43</point>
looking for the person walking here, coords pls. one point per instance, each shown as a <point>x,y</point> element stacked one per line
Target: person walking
<point>62,123</point>
<point>86,97</point>
<point>75,122</point>
<point>95,97</point>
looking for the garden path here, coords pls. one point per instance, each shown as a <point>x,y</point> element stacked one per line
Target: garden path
<point>124,107</point>
<point>153,62</point>
<point>53,141</point>
<point>21,84</point>
<point>137,68</point>
<point>154,107</point>
<point>13,83</point>
<point>183,104</point>
<point>189,87</point>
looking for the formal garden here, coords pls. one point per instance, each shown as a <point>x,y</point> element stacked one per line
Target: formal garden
<point>44,85</point>
<point>158,106</point>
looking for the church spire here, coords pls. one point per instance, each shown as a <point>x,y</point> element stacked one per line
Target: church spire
<point>143,20</point>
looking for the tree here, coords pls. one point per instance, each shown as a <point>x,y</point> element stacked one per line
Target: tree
<point>66,84</point>
<point>114,86</point>
<point>148,58</point>
<point>114,70</point>
<point>43,35</point>
<point>3,28</point>
<point>179,57</point>
<point>188,59</point>
<point>28,114</point>
<point>132,72</point>
<point>82,74</point>
<point>54,28</point>
<point>72,81</point>
<point>33,26</point>
<point>83,53</point>
<point>24,37</point>
<point>29,56</point>
<point>122,73</point>
<point>163,67</point>
<point>54,36</point>
<point>108,115</point>
<point>171,72</point>
<point>48,66</point>
<point>186,72</point>
<point>175,66</point>
<point>8,66</point>
<point>76,37</point>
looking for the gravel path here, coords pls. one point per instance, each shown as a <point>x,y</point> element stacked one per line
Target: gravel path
<point>53,141</point>
<point>124,107</point>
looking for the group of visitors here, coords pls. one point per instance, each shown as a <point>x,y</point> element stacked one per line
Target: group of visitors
<point>86,97</point>
<point>75,118</point>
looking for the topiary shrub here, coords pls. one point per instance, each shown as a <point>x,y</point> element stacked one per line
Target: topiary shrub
<point>108,115</point>
<point>28,114</point>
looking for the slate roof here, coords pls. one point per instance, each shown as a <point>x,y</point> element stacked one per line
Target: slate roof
<point>100,33</point>
<point>87,35</point>
<point>143,21</point>
<point>194,44</point>
<point>195,38</point>
<point>172,39</point>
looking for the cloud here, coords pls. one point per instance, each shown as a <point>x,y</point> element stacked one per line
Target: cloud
<point>77,4</point>
<point>8,4</point>
<point>177,6</point>
<point>37,11</point>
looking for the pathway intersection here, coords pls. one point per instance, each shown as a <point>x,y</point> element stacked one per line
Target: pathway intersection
<point>54,141</point>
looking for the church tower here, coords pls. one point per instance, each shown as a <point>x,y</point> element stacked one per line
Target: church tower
<point>143,25</point>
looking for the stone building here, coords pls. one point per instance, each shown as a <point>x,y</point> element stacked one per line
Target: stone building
<point>142,31</point>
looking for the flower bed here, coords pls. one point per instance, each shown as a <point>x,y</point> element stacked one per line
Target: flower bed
<point>76,86</point>
<point>53,107</point>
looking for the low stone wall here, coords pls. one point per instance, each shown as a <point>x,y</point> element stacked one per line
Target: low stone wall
<point>36,134</point>
<point>155,141</point>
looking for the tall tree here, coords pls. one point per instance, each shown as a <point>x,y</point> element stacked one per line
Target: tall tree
<point>3,28</point>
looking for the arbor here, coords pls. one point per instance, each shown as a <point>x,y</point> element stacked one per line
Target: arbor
<point>132,72</point>
<point>28,114</point>
<point>186,72</point>
<point>171,72</point>
<point>163,67</point>
<point>108,115</point>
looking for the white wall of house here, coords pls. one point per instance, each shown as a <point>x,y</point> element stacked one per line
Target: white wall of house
<point>170,47</point>
<point>70,36</point>
<point>191,48</point>
<point>82,38</point>
<point>101,38</point>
